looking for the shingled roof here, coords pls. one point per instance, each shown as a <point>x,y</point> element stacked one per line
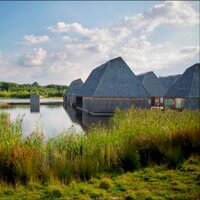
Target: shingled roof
<point>188,85</point>
<point>168,81</point>
<point>113,79</point>
<point>74,87</point>
<point>152,84</point>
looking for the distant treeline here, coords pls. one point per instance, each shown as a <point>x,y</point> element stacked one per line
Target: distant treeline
<point>14,90</point>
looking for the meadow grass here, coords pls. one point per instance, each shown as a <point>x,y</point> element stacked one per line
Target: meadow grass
<point>135,139</point>
<point>150,183</point>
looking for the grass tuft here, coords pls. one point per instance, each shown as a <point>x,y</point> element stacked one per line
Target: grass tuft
<point>105,183</point>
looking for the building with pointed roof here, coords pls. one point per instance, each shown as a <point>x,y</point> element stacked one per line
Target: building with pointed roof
<point>168,81</point>
<point>154,87</point>
<point>110,86</point>
<point>185,93</point>
<point>72,91</point>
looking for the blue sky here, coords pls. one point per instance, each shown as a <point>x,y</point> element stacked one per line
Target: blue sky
<point>24,18</point>
<point>56,42</point>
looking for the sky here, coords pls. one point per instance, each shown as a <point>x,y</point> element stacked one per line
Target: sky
<point>56,42</point>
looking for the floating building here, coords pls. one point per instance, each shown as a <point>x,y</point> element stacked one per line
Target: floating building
<point>168,81</point>
<point>70,95</point>
<point>185,93</point>
<point>154,87</point>
<point>110,86</point>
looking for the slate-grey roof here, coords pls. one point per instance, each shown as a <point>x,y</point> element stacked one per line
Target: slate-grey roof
<point>152,84</point>
<point>188,85</point>
<point>113,79</point>
<point>168,81</point>
<point>74,87</point>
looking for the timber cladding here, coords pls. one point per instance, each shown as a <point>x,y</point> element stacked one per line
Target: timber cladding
<point>110,104</point>
<point>192,103</point>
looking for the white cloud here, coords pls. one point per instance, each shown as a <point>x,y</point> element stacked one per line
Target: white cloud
<point>33,58</point>
<point>151,59</point>
<point>83,33</point>
<point>190,50</point>
<point>31,39</point>
<point>75,50</point>
<point>63,27</point>
<point>137,27</point>
<point>11,71</point>
<point>174,13</point>
<point>177,13</point>
<point>69,39</point>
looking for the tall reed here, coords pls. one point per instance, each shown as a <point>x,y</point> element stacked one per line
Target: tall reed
<point>136,138</point>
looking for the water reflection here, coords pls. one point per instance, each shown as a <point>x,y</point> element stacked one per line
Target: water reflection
<point>34,108</point>
<point>74,116</point>
<point>85,120</point>
<point>53,119</point>
<point>89,120</point>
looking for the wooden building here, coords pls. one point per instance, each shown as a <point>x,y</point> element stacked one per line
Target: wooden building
<point>70,95</point>
<point>154,86</point>
<point>185,93</point>
<point>110,86</point>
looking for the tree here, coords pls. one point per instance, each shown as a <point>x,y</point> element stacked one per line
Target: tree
<point>36,84</point>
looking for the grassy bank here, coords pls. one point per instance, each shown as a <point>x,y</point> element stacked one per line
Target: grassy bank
<point>151,183</point>
<point>136,140</point>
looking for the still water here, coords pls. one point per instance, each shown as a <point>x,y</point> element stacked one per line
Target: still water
<point>53,119</point>
<point>5,100</point>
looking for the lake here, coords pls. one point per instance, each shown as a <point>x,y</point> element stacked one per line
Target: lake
<point>53,119</point>
<point>5,100</point>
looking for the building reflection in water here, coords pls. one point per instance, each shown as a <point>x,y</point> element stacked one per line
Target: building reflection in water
<point>85,120</point>
<point>34,108</point>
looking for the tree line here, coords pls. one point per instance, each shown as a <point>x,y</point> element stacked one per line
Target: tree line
<point>15,90</point>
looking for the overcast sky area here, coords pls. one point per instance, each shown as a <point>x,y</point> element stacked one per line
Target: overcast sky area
<point>57,42</point>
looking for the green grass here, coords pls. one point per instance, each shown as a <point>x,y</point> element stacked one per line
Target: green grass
<point>101,163</point>
<point>156,182</point>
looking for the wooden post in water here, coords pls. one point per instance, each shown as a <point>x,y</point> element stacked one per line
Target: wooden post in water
<point>34,103</point>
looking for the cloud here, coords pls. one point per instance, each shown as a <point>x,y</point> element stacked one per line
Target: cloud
<point>176,13</point>
<point>63,27</point>
<point>151,57</point>
<point>83,33</point>
<point>75,50</point>
<point>31,39</point>
<point>79,39</point>
<point>11,71</point>
<point>189,50</point>
<point>33,58</point>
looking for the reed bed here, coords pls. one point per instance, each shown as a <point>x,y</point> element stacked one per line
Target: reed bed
<point>136,138</point>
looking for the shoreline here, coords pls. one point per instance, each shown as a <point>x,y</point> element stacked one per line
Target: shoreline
<point>28,103</point>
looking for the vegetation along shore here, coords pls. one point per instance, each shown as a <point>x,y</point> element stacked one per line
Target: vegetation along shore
<point>14,90</point>
<point>143,154</point>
